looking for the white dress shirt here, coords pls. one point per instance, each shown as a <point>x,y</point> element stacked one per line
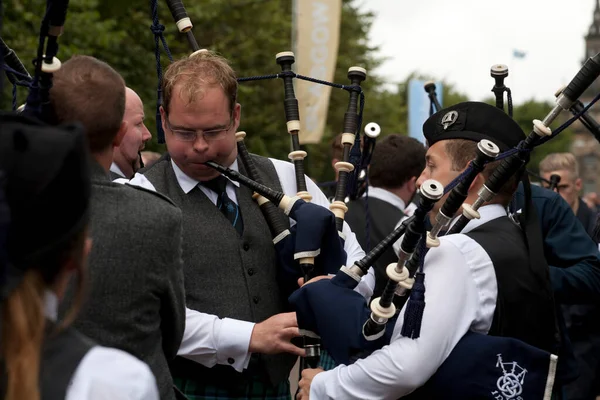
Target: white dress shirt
<point>210,340</point>
<point>115,168</point>
<point>387,196</point>
<point>106,373</point>
<point>461,292</point>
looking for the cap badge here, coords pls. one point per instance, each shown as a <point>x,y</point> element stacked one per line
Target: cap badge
<point>449,119</point>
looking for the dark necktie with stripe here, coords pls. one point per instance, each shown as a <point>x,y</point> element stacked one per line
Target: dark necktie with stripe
<point>228,208</point>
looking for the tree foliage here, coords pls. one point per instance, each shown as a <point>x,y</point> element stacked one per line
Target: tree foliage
<point>247,32</point>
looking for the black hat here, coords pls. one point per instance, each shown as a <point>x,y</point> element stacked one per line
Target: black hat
<point>44,193</point>
<point>473,121</point>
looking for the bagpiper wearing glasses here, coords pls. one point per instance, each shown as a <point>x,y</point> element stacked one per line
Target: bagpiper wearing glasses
<point>229,258</point>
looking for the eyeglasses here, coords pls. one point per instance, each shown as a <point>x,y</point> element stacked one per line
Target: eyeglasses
<point>190,135</point>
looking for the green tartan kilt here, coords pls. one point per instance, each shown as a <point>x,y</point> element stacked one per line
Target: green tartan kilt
<point>255,390</point>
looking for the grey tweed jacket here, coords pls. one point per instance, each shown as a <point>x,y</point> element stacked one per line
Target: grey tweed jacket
<point>135,298</point>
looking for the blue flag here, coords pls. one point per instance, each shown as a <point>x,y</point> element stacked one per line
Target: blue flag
<point>418,107</point>
<point>519,53</point>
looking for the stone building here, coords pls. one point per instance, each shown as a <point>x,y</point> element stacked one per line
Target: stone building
<point>585,147</point>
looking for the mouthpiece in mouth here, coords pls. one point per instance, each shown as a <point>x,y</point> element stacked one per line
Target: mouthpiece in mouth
<point>214,165</point>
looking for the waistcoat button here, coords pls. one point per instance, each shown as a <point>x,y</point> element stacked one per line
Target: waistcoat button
<point>250,271</point>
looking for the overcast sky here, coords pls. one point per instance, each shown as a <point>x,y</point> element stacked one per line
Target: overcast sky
<point>459,40</point>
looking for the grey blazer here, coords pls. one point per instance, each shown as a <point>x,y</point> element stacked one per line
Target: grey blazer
<point>135,296</point>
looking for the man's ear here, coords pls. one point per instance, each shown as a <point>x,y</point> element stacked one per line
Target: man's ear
<point>120,135</point>
<point>163,118</point>
<point>578,184</point>
<point>237,115</point>
<point>411,184</point>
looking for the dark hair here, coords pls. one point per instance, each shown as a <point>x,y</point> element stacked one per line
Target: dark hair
<point>91,92</point>
<point>396,159</point>
<point>462,151</point>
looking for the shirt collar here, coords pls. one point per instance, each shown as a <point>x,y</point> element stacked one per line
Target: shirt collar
<point>387,196</point>
<point>187,183</point>
<point>487,213</point>
<point>115,168</point>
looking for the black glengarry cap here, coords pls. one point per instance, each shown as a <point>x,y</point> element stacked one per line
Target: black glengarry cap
<point>473,121</point>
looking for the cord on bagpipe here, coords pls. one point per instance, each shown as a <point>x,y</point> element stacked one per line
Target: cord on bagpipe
<point>552,182</point>
<point>184,25</point>
<point>586,119</point>
<point>15,71</point>
<point>45,63</point>
<point>157,30</point>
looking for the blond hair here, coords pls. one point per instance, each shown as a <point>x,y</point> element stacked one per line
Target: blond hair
<point>24,322</point>
<point>560,161</point>
<point>197,72</point>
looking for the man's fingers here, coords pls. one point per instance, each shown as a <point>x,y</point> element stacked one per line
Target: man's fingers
<point>289,319</point>
<point>290,348</point>
<point>300,282</point>
<point>289,333</point>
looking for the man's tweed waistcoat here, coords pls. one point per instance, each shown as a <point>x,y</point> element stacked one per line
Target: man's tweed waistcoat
<point>225,274</point>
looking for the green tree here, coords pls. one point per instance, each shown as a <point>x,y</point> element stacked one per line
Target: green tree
<point>247,32</point>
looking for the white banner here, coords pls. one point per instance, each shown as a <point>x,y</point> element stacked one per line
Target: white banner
<point>316,49</point>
